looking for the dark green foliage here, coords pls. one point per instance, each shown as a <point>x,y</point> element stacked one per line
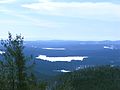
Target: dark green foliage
<point>14,73</point>
<point>14,64</point>
<point>95,78</point>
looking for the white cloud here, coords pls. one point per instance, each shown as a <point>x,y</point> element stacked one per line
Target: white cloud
<point>37,22</point>
<point>7,1</point>
<point>64,71</point>
<point>55,59</point>
<point>31,20</point>
<point>54,48</point>
<point>103,10</point>
<point>2,52</point>
<point>44,1</point>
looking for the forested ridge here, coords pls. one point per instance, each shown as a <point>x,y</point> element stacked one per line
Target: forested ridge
<point>93,78</point>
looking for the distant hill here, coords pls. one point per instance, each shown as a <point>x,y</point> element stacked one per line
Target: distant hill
<point>60,42</point>
<point>98,53</point>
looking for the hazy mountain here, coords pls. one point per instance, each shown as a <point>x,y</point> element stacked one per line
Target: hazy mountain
<point>97,53</point>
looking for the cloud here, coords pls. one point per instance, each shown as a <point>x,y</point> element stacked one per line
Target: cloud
<point>27,19</point>
<point>2,52</point>
<point>67,59</point>
<point>37,22</point>
<point>44,1</point>
<point>6,1</point>
<point>64,71</point>
<point>54,48</point>
<point>101,10</point>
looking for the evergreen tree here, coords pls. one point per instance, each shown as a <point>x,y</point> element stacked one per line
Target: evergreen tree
<point>14,66</point>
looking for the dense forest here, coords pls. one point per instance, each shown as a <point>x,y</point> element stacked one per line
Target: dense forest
<point>94,78</point>
<point>17,73</point>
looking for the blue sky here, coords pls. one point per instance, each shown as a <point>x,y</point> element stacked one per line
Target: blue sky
<point>61,19</point>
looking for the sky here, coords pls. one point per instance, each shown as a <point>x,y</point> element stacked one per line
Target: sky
<point>82,20</point>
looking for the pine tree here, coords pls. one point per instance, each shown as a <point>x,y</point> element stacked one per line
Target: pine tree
<point>14,64</point>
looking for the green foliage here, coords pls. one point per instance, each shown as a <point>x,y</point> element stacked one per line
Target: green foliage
<point>95,78</point>
<point>14,73</point>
